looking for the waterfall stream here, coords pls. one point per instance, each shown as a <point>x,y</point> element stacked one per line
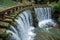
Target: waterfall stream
<point>46,30</point>
<point>44,17</point>
<point>25,29</point>
<point>43,13</point>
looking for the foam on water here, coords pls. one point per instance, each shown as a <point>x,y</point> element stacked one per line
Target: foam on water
<point>47,23</point>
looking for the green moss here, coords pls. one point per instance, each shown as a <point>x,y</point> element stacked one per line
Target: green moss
<point>31,9</point>
<point>25,2</point>
<point>35,21</point>
<point>10,33</point>
<point>56,6</point>
<point>59,19</point>
<point>7,3</point>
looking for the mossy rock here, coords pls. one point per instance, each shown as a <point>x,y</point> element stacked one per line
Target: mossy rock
<point>2,32</point>
<point>8,20</point>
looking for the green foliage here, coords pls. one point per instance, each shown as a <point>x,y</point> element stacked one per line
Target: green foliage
<point>37,1</point>
<point>7,2</point>
<point>45,1</point>
<point>56,7</point>
<point>59,19</point>
<point>25,2</point>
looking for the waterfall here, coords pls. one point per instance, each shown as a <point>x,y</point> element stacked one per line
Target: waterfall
<point>47,26</point>
<point>43,13</point>
<point>44,17</point>
<point>24,29</point>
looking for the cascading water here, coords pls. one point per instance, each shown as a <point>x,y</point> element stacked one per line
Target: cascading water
<point>46,30</point>
<point>43,13</point>
<point>24,29</point>
<point>44,17</point>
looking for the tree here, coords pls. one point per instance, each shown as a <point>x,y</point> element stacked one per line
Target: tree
<point>56,10</point>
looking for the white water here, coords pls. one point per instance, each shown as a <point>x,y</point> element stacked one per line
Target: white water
<point>24,29</point>
<point>43,13</point>
<point>47,23</point>
<point>44,17</point>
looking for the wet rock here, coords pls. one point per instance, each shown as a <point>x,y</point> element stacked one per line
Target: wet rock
<point>14,24</point>
<point>35,21</point>
<point>58,26</point>
<point>2,32</point>
<point>4,24</point>
<point>9,17</point>
<point>8,20</point>
<point>13,15</point>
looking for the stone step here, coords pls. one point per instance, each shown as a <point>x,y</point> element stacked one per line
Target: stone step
<point>9,17</point>
<point>4,25</point>
<point>7,20</point>
<point>13,15</point>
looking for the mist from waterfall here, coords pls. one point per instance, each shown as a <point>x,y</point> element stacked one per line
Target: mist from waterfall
<point>24,29</point>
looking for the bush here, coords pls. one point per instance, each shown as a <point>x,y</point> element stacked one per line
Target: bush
<point>37,1</point>
<point>56,7</point>
<point>59,19</point>
<point>45,1</point>
<point>56,10</point>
